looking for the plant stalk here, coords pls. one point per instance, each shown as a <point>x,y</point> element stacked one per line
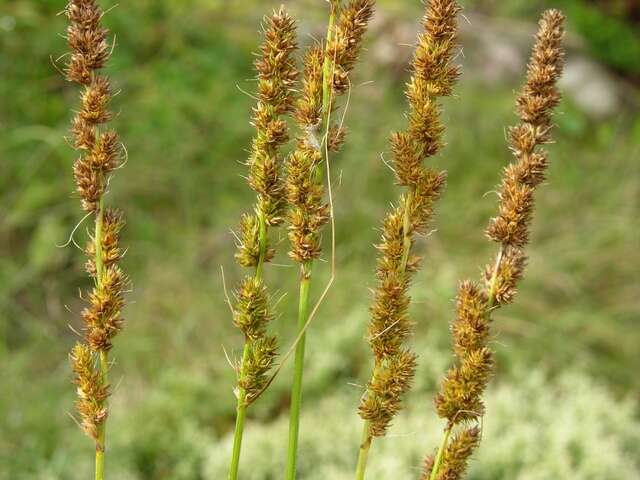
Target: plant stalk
<point>305,272</point>
<point>103,356</point>
<point>443,445</point>
<point>364,452</point>
<point>296,391</point>
<point>241,413</point>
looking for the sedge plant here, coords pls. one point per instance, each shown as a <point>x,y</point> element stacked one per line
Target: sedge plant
<point>100,153</point>
<point>460,398</point>
<point>276,72</point>
<point>326,76</point>
<point>433,77</point>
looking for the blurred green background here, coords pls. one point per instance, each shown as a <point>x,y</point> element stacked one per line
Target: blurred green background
<point>564,403</point>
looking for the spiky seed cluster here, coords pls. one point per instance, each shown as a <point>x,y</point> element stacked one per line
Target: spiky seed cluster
<point>536,102</point>
<point>346,40</point>
<point>455,456</point>
<point>433,77</point>
<point>277,75</point>
<point>460,398</point>
<point>252,313</point>
<point>308,211</point>
<point>257,365</point>
<point>100,154</point>
<point>91,391</point>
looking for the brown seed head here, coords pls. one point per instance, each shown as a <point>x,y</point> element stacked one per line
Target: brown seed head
<point>252,313</point>
<point>87,40</point>
<point>261,358</point>
<point>346,40</point>
<point>387,387</point>
<point>276,78</point>
<point>390,324</point>
<point>91,391</point>
<point>456,455</point>
<point>536,102</point>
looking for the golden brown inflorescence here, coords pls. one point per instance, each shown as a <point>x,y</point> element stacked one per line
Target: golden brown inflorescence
<point>460,399</point>
<point>434,76</point>
<point>326,76</point>
<point>100,154</point>
<point>277,75</point>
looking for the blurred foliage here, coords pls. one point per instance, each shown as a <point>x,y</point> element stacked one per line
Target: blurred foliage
<point>611,28</point>
<point>569,341</point>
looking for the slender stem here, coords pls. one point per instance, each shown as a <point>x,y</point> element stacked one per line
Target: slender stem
<point>443,446</point>
<point>103,356</point>
<point>296,391</point>
<point>305,269</point>
<point>263,245</point>
<point>241,413</point>
<point>328,64</point>
<point>406,230</point>
<point>365,445</point>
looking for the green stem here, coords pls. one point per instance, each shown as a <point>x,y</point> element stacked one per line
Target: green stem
<point>443,445</point>
<point>103,356</point>
<point>296,391</point>
<point>263,245</point>
<point>365,445</point>
<point>406,230</point>
<point>241,413</point>
<point>305,280</point>
<point>327,66</point>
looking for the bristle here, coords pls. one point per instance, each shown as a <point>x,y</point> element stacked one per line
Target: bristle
<point>433,77</point>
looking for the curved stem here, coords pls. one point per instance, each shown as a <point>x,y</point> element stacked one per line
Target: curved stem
<point>365,445</point>
<point>296,391</point>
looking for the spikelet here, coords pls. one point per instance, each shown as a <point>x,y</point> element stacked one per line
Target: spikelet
<point>345,42</point>
<point>455,456</point>
<point>100,154</point>
<point>277,75</point>
<point>343,48</point>
<point>433,77</point>
<point>91,391</point>
<point>460,397</point>
<point>308,211</point>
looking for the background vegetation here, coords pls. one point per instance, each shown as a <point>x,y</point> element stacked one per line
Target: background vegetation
<point>564,403</point>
